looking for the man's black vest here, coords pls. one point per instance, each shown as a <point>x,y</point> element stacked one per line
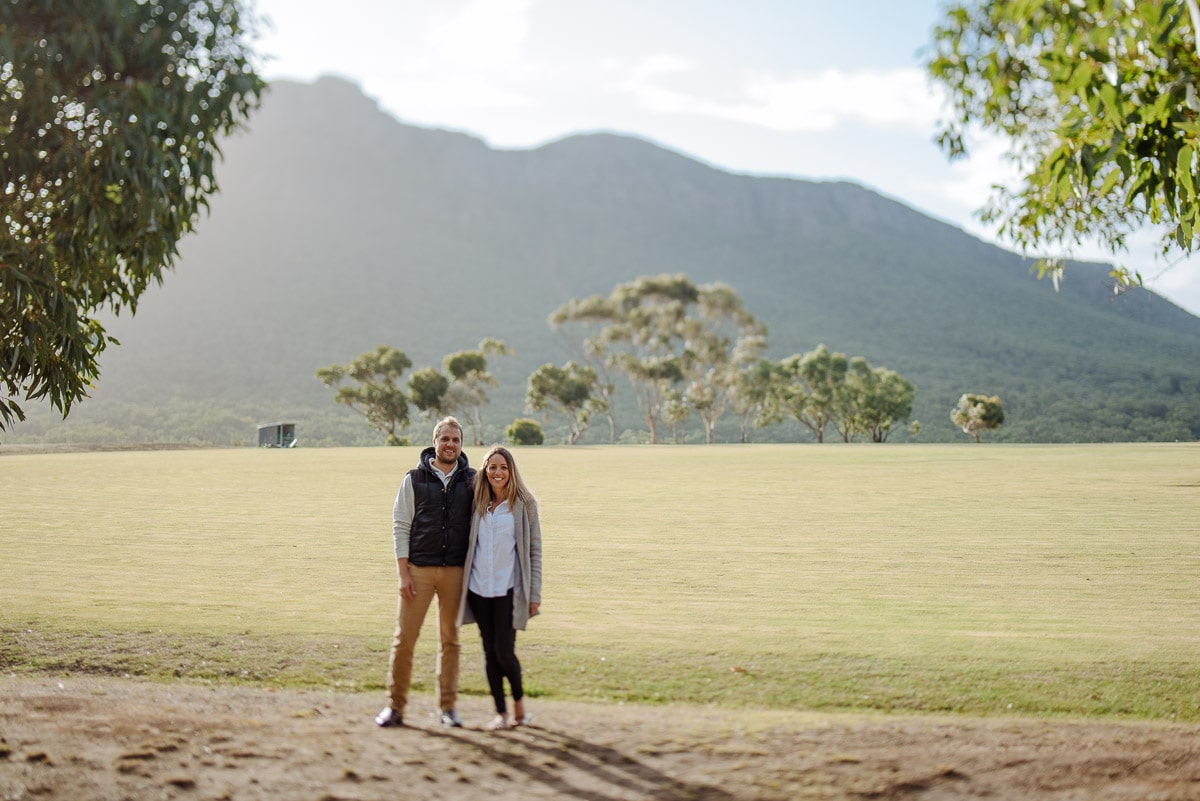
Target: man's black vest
<point>441,523</point>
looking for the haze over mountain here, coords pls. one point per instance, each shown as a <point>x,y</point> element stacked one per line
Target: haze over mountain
<point>338,228</point>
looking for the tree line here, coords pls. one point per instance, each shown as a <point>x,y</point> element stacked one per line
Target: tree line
<point>685,350</point>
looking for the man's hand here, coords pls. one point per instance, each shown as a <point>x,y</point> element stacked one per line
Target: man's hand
<point>408,590</point>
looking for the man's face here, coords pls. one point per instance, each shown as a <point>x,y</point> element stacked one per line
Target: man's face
<point>448,445</point>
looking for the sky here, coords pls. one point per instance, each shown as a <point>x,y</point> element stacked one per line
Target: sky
<point>809,89</point>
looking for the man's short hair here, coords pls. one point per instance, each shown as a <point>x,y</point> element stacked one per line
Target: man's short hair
<point>443,423</point>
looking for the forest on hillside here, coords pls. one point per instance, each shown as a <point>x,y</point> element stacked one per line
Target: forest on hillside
<point>660,360</point>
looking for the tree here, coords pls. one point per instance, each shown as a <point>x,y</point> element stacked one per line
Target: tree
<point>676,411</point>
<point>524,431</point>
<point>647,337</point>
<point>637,333</point>
<point>750,396</point>
<point>569,389</point>
<point>1099,103</point>
<point>812,395</point>
<point>428,388</point>
<point>377,397</point>
<point>662,331</point>
<point>579,322</point>
<point>721,340</point>
<point>878,398</point>
<point>109,119</point>
<point>469,380</point>
<point>850,398</point>
<point>976,413</point>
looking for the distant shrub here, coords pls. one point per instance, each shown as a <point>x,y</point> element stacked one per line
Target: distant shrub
<point>524,431</point>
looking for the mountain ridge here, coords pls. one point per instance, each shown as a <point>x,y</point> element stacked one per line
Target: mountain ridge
<point>339,228</point>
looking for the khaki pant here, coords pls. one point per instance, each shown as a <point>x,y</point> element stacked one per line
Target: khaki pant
<point>446,584</point>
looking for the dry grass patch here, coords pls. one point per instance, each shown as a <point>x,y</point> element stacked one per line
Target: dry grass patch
<point>994,579</point>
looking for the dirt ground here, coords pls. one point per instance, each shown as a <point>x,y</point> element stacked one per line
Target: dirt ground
<point>86,738</point>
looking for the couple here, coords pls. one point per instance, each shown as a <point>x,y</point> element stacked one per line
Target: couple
<point>475,542</point>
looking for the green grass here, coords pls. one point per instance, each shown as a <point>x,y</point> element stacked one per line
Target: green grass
<point>1046,580</point>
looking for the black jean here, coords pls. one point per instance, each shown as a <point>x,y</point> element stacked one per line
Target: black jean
<point>495,619</point>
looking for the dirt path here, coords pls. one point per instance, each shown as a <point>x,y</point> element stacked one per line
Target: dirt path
<point>85,738</point>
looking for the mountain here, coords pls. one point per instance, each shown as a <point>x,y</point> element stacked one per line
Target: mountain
<point>339,228</point>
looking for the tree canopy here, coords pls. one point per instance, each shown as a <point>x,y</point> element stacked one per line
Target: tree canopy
<point>875,399</point>
<point>109,118</point>
<point>466,391</point>
<point>668,336</point>
<point>376,392</point>
<point>567,389</point>
<point>975,413</point>
<point>580,323</point>
<point>427,389</point>
<point>816,382</point>
<point>1099,103</point>
<point>822,388</point>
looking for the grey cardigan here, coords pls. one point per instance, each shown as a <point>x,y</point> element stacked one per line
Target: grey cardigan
<point>527,588</point>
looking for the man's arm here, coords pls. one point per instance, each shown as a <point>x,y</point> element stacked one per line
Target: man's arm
<point>402,515</point>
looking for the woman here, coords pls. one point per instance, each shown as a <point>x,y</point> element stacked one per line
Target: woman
<point>504,576</point>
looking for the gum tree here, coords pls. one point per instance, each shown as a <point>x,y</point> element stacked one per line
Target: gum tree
<point>1099,102</point>
<point>427,388</point>
<point>666,334</point>
<point>720,341</point>
<point>876,399</point>
<point>975,413</point>
<point>578,323</point>
<point>375,392</point>
<point>110,115</point>
<point>751,396</point>
<point>814,383</point>
<point>567,389</point>
<point>469,381</point>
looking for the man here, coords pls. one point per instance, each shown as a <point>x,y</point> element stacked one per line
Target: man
<point>431,522</point>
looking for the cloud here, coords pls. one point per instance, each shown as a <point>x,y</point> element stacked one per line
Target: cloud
<point>879,98</point>
<point>971,179</point>
<point>484,34</point>
<point>658,65</point>
<point>463,59</point>
<point>1179,281</point>
<point>813,102</point>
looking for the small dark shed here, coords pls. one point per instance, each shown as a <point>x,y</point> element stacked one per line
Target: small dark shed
<point>277,435</point>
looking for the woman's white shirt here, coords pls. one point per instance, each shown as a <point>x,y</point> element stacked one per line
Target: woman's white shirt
<point>493,566</point>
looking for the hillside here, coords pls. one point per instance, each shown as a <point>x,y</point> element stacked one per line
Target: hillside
<point>339,228</point>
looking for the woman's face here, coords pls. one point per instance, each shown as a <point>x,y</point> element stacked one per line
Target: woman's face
<point>496,470</point>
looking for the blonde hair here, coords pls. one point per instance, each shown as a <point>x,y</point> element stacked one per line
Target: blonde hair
<point>516,489</point>
<point>443,423</point>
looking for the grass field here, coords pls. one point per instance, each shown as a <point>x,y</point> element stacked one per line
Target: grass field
<point>1046,580</point>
